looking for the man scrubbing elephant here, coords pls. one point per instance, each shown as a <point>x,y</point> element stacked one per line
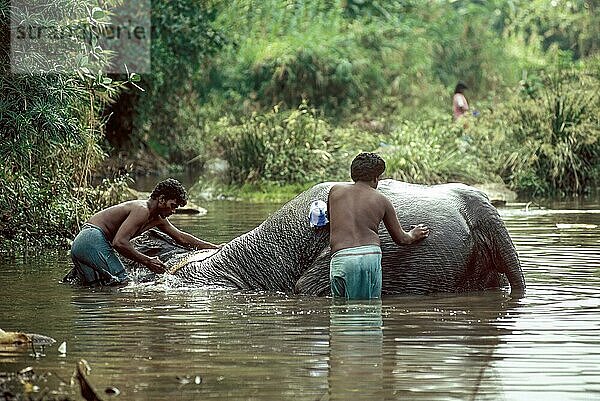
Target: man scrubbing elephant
<point>112,229</point>
<point>355,212</point>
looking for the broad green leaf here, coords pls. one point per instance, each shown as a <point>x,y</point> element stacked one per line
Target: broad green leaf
<point>98,13</point>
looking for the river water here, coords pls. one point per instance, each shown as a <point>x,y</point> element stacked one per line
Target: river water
<point>157,343</point>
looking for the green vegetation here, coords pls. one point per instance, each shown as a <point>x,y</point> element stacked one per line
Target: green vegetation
<point>287,92</point>
<point>558,128</point>
<point>51,129</point>
<point>386,72</point>
<point>283,147</point>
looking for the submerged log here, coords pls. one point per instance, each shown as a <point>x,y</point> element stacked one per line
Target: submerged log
<point>87,391</point>
<point>18,338</point>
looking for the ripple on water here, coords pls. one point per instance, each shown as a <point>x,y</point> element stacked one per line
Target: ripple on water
<point>148,339</point>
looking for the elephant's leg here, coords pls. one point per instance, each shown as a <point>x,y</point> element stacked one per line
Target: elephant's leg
<point>315,280</point>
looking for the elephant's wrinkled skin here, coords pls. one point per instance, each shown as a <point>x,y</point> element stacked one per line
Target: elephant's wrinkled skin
<point>468,248</point>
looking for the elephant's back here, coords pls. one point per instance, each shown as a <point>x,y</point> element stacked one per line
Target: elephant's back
<point>435,264</point>
<point>441,261</point>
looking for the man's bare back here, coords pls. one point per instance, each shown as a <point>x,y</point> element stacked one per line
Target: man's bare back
<point>110,230</point>
<point>111,219</point>
<point>355,211</point>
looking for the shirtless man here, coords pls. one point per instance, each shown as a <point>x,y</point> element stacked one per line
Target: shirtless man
<point>355,212</point>
<point>93,250</point>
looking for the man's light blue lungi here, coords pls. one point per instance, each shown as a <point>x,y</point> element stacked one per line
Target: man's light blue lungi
<point>355,273</point>
<point>95,260</point>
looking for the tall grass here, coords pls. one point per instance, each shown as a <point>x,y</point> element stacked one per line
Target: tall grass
<point>433,152</point>
<point>289,147</point>
<point>554,131</point>
<point>51,128</point>
<point>283,147</point>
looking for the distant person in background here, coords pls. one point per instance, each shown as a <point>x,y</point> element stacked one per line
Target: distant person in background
<point>459,101</point>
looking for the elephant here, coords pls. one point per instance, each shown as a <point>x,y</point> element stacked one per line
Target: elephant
<point>468,249</point>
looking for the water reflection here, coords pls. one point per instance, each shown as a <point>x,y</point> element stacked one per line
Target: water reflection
<point>356,350</point>
<point>238,344</point>
<point>444,346</point>
<point>432,348</point>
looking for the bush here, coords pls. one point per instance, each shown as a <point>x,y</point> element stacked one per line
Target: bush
<point>281,146</point>
<point>288,147</point>
<point>50,127</point>
<point>555,132</point>
<point>433,152</point>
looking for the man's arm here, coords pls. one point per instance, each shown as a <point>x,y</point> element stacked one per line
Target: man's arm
<point>136,219</point>
<point>183,238</point>
<point>390,220</point>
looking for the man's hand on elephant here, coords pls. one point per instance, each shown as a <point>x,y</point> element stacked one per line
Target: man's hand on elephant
<point>419,232</point>
<point>156,265</point>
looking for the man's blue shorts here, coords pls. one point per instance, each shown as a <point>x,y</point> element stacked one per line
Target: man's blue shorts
<point>95,260</point>
<point>355,273</point>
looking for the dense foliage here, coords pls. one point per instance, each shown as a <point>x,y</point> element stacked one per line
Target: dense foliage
<point>51,128</point>
<point>558,127</point>
<point>287,92</point>
<point>164,118</point>
<point>386,70</point>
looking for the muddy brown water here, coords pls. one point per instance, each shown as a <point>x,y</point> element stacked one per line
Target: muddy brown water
<point>154,342</point>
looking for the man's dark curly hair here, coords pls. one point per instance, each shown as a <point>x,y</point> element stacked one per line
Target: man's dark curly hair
<point>366,167</point>
<point>460,87</point>
<point>170,189</point>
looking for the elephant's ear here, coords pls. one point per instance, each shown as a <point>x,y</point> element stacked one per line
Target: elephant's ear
<point>315,280</point>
